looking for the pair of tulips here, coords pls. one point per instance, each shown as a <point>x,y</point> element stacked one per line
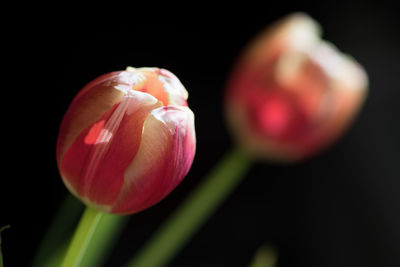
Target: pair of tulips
<point>128,137</point>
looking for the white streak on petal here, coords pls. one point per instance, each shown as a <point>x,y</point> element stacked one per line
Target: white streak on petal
<point>106,136</point>
<point>122,87</point>
<point>172,85</point>
<point>177,120</point>
<point>151,69</point>
<point>158,131</point>
<point>129,78</point>
<point>138,99</point>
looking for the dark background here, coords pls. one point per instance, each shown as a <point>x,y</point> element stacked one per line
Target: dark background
<point>340,208</point>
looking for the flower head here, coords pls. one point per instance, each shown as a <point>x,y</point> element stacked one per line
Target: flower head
<point>127,140</point>
<point>291,93</point>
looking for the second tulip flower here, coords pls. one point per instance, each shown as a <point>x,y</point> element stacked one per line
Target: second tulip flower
<point>291,94</point>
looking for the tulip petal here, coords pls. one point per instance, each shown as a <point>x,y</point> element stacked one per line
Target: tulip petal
<point>145,80</point>
<point>95,163</point>
<point>296,32</point>
<point>164,157</point>
<point>177,94</point>
<point>92,102</point>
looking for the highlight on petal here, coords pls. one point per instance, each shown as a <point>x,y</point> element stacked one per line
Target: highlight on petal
<point>94,100</point>
<point>95,131</point>
<point>165,155</point>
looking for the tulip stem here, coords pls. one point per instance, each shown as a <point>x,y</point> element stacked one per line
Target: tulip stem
<point>266,256</point>
<point>82,237</point>
<point>105,235</point>
<point>104,238</point>
<point>194,212</point>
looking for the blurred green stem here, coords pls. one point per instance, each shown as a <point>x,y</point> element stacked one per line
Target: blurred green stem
<point>1,256</point>
<point>82,237</point>
<point>265,257</point>
<point>57,255</point>
<point>50,249</point>
<point>195,211</point>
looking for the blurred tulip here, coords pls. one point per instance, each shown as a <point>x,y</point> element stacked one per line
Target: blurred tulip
<point>291,93</point>
<point>127,140</point>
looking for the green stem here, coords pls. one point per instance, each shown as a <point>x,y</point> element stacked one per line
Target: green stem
<point>266,256</point>
<point>50,250</point>
<point>55,242</point>
<point>194,212</point>
<point>81,238</point>
<point>104,237</point>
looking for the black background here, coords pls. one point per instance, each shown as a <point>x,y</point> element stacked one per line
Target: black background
<point>340,208</point>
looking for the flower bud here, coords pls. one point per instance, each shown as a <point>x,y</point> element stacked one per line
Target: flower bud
<point>291,93</point>
<point>127,140</point>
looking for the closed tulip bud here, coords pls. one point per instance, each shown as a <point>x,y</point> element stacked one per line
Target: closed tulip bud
<point>127,140</point>
<point>291,94</point>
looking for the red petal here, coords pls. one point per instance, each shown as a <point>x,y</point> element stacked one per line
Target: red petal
<point>96,161</point>
<point>92,102</point>
<point>162,161</point>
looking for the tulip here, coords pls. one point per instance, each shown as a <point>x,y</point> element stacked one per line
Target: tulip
<point>127,140</point>
<point>292,94</point>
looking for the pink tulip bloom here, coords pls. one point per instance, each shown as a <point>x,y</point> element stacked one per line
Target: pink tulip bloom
<point>292,94</point>
<point>127,140</point>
